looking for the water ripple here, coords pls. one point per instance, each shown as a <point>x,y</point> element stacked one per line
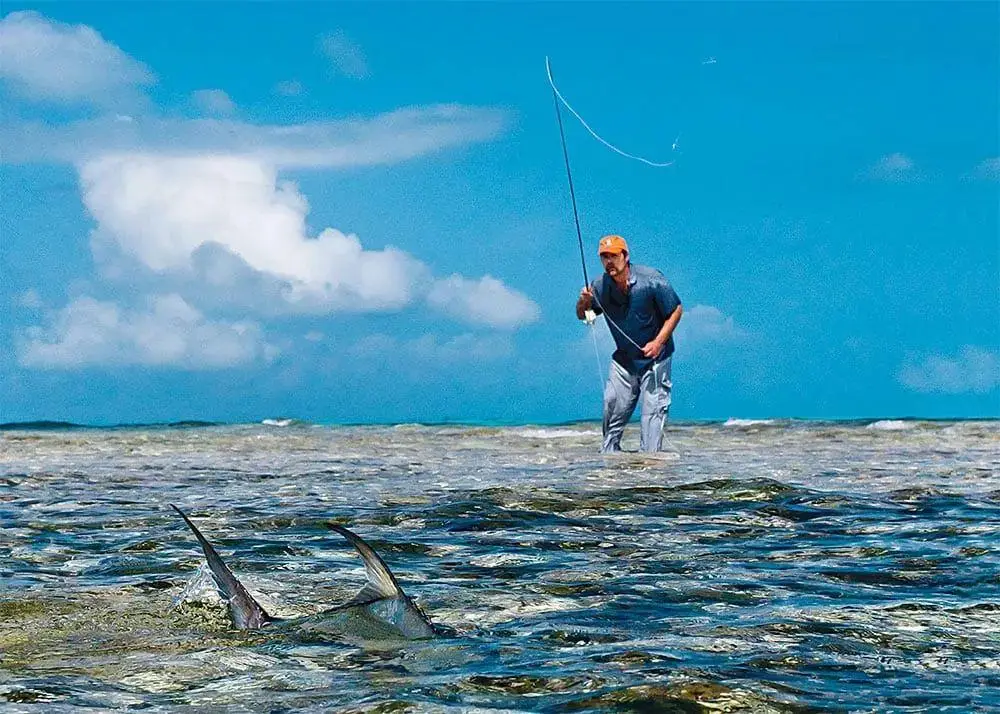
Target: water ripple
<point>774,566</point>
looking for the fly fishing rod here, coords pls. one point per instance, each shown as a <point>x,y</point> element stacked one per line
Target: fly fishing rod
<point>589,316</point>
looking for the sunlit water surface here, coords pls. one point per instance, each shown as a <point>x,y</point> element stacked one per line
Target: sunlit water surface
<point>759,566</point>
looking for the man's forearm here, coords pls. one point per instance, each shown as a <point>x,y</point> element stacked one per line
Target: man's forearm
<point>668,327</point>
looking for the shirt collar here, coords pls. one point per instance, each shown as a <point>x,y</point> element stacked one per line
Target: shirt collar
<point>612,285</point>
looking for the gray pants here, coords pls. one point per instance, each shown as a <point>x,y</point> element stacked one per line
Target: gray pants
<point>620,396</point>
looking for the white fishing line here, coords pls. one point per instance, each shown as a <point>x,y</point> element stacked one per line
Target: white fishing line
<point>657,164</point>
<point>613,323</point>
<point>597,356</point>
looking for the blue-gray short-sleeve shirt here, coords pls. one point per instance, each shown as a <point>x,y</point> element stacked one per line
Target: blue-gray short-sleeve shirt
<point>640,314</point>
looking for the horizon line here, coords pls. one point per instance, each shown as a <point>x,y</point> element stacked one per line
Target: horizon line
<point>284,422</point>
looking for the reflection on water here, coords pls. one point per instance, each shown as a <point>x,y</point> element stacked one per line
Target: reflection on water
<point>759,566</point>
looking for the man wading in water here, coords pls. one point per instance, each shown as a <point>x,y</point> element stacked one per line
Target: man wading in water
<point>642,311</point>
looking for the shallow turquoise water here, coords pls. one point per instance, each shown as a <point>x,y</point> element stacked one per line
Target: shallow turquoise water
<point>776,566</point>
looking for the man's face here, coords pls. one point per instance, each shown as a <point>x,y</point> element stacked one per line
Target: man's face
<point>614,263</point>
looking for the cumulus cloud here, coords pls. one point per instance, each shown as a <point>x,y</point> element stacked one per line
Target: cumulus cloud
<point>987,170</point>
<point>166,332</point>
<point>56,62</point>
<point>289,88</point>
<point>162,211</point>
<point>193,209</point>
<point>484,301</point>
<point>346,57</point>
<point>973,370</point>
<point>30,299</point>
<point>213,101</point>
<point>702,324</point>
<point>893,168</point>
<point>391,137</point>
<point>226,223</point>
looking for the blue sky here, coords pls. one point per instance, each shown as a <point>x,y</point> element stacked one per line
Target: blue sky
<point>359,212</point>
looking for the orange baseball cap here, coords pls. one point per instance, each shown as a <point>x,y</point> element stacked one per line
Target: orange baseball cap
<point>612,244</point>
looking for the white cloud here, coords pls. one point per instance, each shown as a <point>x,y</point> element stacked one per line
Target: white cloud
<point>486,301</point>
<point>705,324</point>
<point>987,170</point>
<point>973,369</point>
<point>395,136</point>
<point>289,88</point>
<point>49,60</point>
<point>169,332</point>
<point>194,208</point>
<point>344,54</point>
<point>162,211</point>
<point>224,226</point>
<point>30,299</point>
<point>893,168</point>
<point>52,61</point>
<point>213,101</point>
<point>45,59</point>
